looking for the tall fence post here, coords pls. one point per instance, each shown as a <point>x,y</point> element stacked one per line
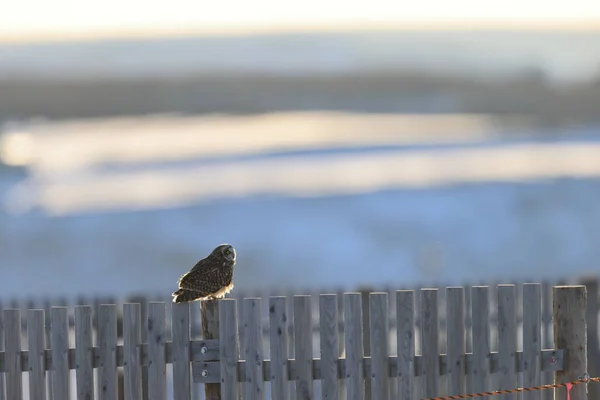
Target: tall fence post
<point>210,330</point>
<point>593,350</point>
<point>570,335</point>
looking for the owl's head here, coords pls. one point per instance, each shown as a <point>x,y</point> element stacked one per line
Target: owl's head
<point>226,251</point>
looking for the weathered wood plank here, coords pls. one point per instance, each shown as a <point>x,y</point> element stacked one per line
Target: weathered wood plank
<point>48,341</point>
<point>593,345</point>
<point>379,327</point>
<point>292,349</point>
<point>480,371</point>
<point>405,343</point>
<point>196,333</point>
<point>366,333</point>
<point>547,332</point>
<point>84,370</point>
<point>180,326</point>
<point>213,367</point>
<point>278,335</point>
<point>507,339</point>
<point>303,347</point>
<point>107,343</point>
<point>144,366</point>
<point>209,310</point>
<point>37,347</point>
<point>253,350</point>
<point>132,360</point>
<point>200,351</point>
<point>12,354</point>
<point>532,338</point>
<point>328,317</point>
<point>355,388</point>
<point>228,337</point>
<point>570,334</point>
<point>429,342</point>
<point>455,320</point>
<point>61,377</point>
<point>157,367</point>
<point>2,385</point>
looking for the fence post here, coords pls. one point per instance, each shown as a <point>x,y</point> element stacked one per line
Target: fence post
<point>593,350</point>
<point>210,330</point>
<point>571,336</point>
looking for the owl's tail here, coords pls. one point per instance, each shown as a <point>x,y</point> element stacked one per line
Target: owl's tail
<point>182,296</point>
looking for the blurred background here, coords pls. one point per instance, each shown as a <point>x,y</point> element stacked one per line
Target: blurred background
<point>334,145</point>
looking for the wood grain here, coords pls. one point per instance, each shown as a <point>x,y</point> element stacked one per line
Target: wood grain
<point>278,334</point>
<point>84,370</point>
<point>331,384</point>
<point>180,326</point>
<point>456,339</point>
<point>355,388</point>
<point>303,347</point>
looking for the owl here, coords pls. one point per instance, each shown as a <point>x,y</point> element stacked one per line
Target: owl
<point>210,278</point>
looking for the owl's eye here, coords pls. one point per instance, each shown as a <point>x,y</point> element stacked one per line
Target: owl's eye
<point>227,252</point>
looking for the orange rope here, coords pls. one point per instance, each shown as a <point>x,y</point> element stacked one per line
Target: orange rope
<point>584,379</point>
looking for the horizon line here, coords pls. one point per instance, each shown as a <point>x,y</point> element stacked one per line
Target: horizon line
<point>592,25</point>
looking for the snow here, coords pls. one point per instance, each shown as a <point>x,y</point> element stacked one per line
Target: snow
<point>536,227</point>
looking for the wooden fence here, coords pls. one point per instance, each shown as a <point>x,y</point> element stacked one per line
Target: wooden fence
<point>411,360</point>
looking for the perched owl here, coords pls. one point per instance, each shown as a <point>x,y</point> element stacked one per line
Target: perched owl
<point>210,278</point>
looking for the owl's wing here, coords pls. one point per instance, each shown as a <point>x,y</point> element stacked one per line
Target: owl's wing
<point>203,269</point>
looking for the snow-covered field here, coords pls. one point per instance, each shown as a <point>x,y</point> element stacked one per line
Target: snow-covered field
<point>453,204</point>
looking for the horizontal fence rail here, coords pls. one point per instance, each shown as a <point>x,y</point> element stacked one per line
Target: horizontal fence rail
<point>206,352</point>
<point>346,347</point>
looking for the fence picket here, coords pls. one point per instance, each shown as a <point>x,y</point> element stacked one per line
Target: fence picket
<point>569,309</point>
<point>532,338</point>
<point>37,350</point>
<point>303,347</point>
<point>379,327</point>
<point>366,332</point>
<point>61,378</point>
<point>292,348</point>
<point>228,339</point>
<point>430,342</point>
<point>405,332</point>
<point>2,386</point>
<point>547,333</point>
<point>455,333</point>
<point>157,367</point>
<point>355,389</point>
<point>12,354</point>
<point>209,310</point>
<point>480,371</point>
<point>329,346</point>
<point>48,341</point>
<point>83,353</point>
<point>180,326</point>
<point>107,343</point>
<point>253,351</point>
<point>507,339</point>
<point>279,347</point>
<point>132,338</point>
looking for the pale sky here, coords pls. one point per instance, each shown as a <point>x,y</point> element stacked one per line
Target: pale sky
<point>20,19</point>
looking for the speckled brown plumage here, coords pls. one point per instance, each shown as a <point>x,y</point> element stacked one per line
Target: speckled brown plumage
<point>210,278</point>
